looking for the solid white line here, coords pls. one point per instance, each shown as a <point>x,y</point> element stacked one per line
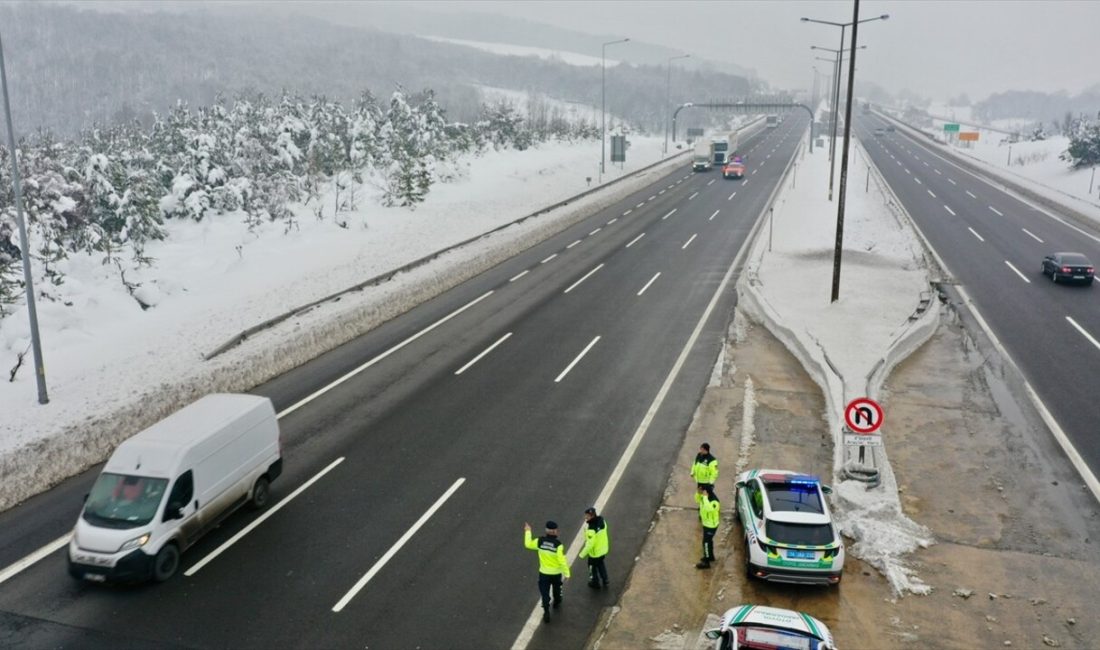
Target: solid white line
<point>483,353</point>
<point>695,194</point>
<point>670,212</point>
<point>259,520</point>
<point>1022,276</point>
<point>1079,329</point>
<point>520,275</point>
<point>20,565</point>
<point>975,233</point>
<point>397,547</point>
<point>731,196</point>
<point>971,195</point>
<point>952,181</point>
<point>595,231</point>
<point>714,215</point>
<point>651,280</point>
<point>688,242</point>
<point>931,193</point>
<point>632,241</point>
<point>917,180</point>
<point>573,244</point>
<point>628,212</point>
<point>949,210</point>
<point>640,204</point>
<point>586,276</point>
<point>548,258</point>
<point>996,211</point>
<point>306,400</point>
<point>574,361</point>
<point>1029,234</point>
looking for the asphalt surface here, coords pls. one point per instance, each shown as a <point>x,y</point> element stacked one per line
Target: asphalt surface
<point>993,245</point>
<point>438,471</point>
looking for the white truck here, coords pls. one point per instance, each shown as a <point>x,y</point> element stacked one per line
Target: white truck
<point>724,147</point>
<point>771,121</point>
<point>703,157</point>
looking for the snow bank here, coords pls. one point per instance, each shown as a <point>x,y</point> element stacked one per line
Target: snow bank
<point>114,368</point>
<point>849,346</point>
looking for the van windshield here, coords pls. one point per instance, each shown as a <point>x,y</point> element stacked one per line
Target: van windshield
<point>120,501</point>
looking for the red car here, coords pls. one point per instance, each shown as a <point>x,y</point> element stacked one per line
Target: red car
<point>734,169</point>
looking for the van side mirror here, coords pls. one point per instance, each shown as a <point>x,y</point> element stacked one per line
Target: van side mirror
<point>826,489</point>
<point>739,484</point>
<point>713,635</point>
<point>174,511</point>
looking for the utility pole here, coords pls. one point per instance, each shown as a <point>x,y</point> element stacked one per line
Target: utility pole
<point>844,157</point>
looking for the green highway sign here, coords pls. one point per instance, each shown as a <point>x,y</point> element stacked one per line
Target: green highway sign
<point>951,128</point>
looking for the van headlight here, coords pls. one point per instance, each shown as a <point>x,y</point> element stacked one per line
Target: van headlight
<point>137,542</point>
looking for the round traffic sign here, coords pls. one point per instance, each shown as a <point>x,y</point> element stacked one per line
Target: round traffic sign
<point>863,415</point>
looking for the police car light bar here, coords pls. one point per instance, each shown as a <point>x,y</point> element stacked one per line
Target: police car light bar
<point>793,479</point>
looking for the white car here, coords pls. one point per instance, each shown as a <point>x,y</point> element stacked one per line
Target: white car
<point>789,533</point>
<point>767,628</point>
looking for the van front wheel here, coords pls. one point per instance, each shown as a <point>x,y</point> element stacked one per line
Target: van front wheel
<point>261,494</point>
<point>166,563</point>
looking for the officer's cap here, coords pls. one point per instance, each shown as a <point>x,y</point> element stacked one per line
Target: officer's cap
<point>551,525</point>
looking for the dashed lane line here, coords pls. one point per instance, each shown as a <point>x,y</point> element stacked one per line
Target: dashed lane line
<point>1017,271</point>
<point>1032,235</point>
<point>975,233</point>
<point>575,361</point>
<point>583,278</point>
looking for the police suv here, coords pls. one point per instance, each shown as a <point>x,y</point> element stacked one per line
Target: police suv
<point>789,533</point>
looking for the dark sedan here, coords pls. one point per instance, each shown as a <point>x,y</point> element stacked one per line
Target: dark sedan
<point>1068,267</point>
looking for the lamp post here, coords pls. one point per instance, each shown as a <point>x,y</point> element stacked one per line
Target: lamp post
<point>854,24</point>
<point>834,100</point>
<point>836,93</point>
<point>668,97</point>
<point>24,248</point>
<point>603,102</point>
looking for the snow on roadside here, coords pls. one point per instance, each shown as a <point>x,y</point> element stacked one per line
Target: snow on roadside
<point>508,49</point>
<point>841,344</point>
<point>113,368</point>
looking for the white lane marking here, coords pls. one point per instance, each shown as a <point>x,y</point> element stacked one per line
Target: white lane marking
<point>970,195</point>
<point>731,196</point>
<point>640,204</point>
<point>670,213</point>
<point>952,181</point>
<point>754,172</point>
<point>652,197</point>
<point>975,233</point>
<point>1083,332</point>
<point>651,281</point>
<point>595,231</point>
<point>679,181</point>
<point>628,212</point>
<point>938,171</point>
<point>917,180</point>
<point>898,162</point>
<point>688,242</point>
<point>661,192</point>
<point>261,519</point>
<point>548,258</point>
<point>535,618</point>
<point>632,241</point>
<point>714,215</point>
<point>745,182</point>
<point>687,177</point>
<point>612,221</point>
<point>710,182</point>
<point>1030,234</point>
<point>518,276</point>
<point>575,361</point>
<point>573,244</point>
<point>309,398</point>
<point>671,185</point>
<point>892,155</point>
<point>949,210</point>
<point>694,194</point>
<point>767,156</point>
<point>925,163</point>
<point>931,193</point>
<point>996,211</point>
<point>397,546</point>
<point>585,277</point>
<point>1017,271</point>
<point>483,353</point>
<point>32,558</point>
<point>907,170</point>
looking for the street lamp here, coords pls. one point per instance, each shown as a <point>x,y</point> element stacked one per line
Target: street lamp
<point>834,100</point>
<point>854,24</point>
<point>24,249</point>
<point>668,96</point>
<point>603,102</point>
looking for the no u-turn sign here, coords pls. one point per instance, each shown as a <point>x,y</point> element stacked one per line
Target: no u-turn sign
<point>863,415</point>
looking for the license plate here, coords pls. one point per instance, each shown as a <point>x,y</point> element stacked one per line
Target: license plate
<point>95,577</point>
<point>1078,277</point>
<point>800,555</point>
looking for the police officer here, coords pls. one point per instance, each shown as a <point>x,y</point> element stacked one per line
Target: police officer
<point>705,468</point>
<point>552,564</point>
<point>710,516</point>
<point>596,546</point>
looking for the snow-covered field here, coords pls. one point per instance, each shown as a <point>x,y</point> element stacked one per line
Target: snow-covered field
<point>112,368</point>
<point>847,346</point>
<point>508,49</point>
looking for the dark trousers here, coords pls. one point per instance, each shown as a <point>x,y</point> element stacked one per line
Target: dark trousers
<point>545,583</point>
<point>708,543</point>
<point>597,570</point>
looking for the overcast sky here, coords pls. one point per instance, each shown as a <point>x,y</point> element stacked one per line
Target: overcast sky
<point>935,48</point>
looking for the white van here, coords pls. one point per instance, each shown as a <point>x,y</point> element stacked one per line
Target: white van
<point>168,485</point>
